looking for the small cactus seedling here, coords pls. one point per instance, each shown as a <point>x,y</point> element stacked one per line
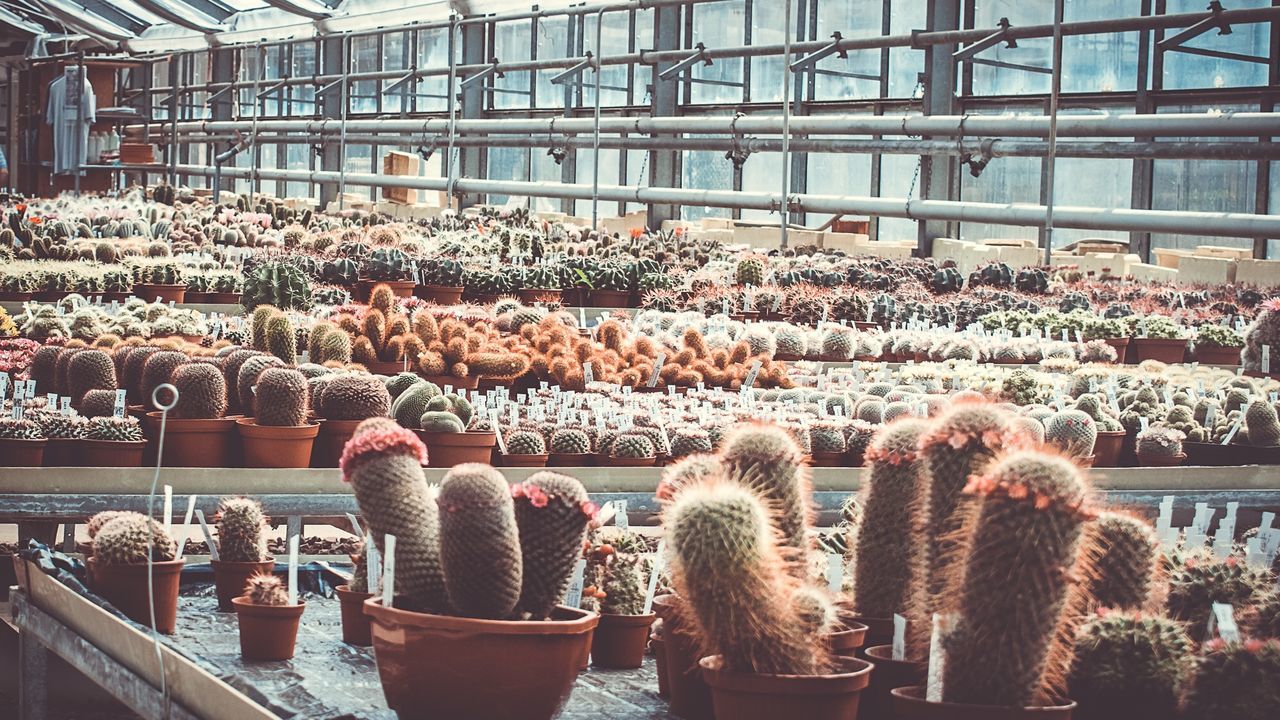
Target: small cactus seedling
<point>131,538</point>
<point>266,590</point>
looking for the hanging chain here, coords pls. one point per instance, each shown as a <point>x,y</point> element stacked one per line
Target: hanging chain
<point>920,158</point>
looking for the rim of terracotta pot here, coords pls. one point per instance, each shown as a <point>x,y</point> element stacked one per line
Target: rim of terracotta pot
<point>628,620</point>
<point>346,591</point>
<point>333,427</point>
<point>468,438</point>
<point>884,654</point>
<point>33,441</point>
<point>851,675</point>
<point>250,428</point>
<point>242,605</point>
<point>1149,460</point>
<point>584,622</point>
<point>89,442</point>
<point>195,425</point>
<point>915,695</point>
<point>162,566</point>
<point>631,462</point>
<point>851,631</point>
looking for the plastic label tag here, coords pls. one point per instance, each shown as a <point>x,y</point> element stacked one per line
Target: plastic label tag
<point>293,570</point>
<point>835,572</point>
<point>1223,621</point>
<point>657,369</point>
<point>119,407</point>
<point>65,404</point>
<point>573,598</point>
<point>620,518</point>
<point>659,562</point>
<point>186,525</point>
<point>1266,360</point>
<point>389,571</point>
<point>208,536</point>
<point>1231,434</point>
<point>372,564</point>
<point>899,637</point>
<point>51,400</point>
<point>942,625</point>
<point>750,380</point>
<point>587,378</point>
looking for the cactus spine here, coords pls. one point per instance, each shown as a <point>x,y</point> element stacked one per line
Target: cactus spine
<point>266,590</point>
<point>1126,561</point>
<point>280,398</point>
<point>240,530</point>
<point>766,458</point>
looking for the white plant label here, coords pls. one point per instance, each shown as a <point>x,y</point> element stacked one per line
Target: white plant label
<point>372,564</point>
<point>293,570</point>
<point>208,536</point>
<point>1210,414</point>
<point>1223,621</point>
<point>606,513</point>
<point>620,518</point>
<point>355,525</point>
<point>64,404</point>
<point>1266,359</point>
<point>1165,519</point>
<point>657,369</point>
<point>1231,434</point>
<point>120,403</point>
<point>899,637</point>
<point>750,380</point>
<point>389,571</point>
<point>186,525</point>
<point>51,400</point>
<point>835,572</point>
<point>937,657</point>
<point>587,376</point>
<point>573,598</point>
<point>1253,554</point>
<point>1204,515</point>
<point>659,561</point>
<point>168,509</point>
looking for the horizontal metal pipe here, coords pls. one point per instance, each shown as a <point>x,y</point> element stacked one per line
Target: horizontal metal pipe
<point>996,148</point>
<point>1120,219</point>
<point>918,39</point>
<point>1248,124</point>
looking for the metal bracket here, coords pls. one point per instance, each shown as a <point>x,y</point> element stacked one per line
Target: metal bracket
<point>833,48</point>
<point>399,83</point>
<point>1213,21</point>
<point>214,97</point>
<point>426,150</point>
<point>976,166</point>
<point>685,64</point>
<point>492,70</point>
<point>559,154</point>
<point>568,76</point>
<point>990,41</point>
<point>324,90</point>
<point>263,95</point>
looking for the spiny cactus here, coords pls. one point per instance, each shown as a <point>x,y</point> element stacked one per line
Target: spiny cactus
<point>690,441</point>
<point>1235,680</point>
<point>891,567</point>
<point>765,458</point>
<point>1126,561</point>
<point>1129,660</point>
<point>329,343</point>
<point>241,530</point>
<point>281,398</point>
<point>1014,583</point>
<point>400,382</point>
<point>98,403</point>
<point>90,370</point>
<point>1197,579</point>
<point>97,521</point>
<point>632,445</point>
<point>383,462</point>
<point>356,396</point>
<point>202,392</point>
<point>570,441</point>
<point>156,372</point>
<point>525,442</point>
<point>726,565</point>
<point>124,540</point>
<point>689,470</point>
<point>410,404</point>
<point>479,542</point>
<point>114,429</point>
<point>20,429</point>
<point>247,378</point>
<point>281,340</point>
<point>552,512</point>
<point>1071,431</point>
<point>266,590</point>
<point>56,426</point>
<point>1263,427</point>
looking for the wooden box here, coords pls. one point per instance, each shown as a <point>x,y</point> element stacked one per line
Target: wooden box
<point>401,164</point>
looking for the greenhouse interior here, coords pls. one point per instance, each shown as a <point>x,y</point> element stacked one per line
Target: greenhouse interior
<point>614,343</point>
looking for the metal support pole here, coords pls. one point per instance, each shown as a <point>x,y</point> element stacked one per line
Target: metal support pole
<point>79,93</point>
<point>33,679</point>
<point>595,170</point>
<point>1050,162</point>
<point>784,211</point>
<point>664,166</point>
<point>938,179</point>
<point>344,92</point>
<point>173,121</point>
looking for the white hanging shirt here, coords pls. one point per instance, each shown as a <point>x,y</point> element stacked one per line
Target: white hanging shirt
<point>70,127</point>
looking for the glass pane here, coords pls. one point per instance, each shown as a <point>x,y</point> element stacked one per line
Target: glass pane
<point>1100,63</point>
<point>304,63</point>
<point>615,38</point>
<point>905,64</point>
<point>364,58</point>
<point>762,173</point>
<point>1005,180</point>
<point>896,173</point>
<point>395,56</point>
<point>989,80</point>
<point>854,18</point>
<point>360,160</point>
<point>1182,70</point>
<point>553,42</point>
<point>837,174</point>
<point>1087,182</point>
<point>512,43</point>
<point>609,160</point>
<point>507,164</point>
<point>718,25</point>
<point>706,170</point>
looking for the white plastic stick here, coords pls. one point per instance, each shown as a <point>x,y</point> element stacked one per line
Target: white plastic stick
<point>168,509</point>
<point>293,570</point>
<point>186,525</point>
<point>208,536</point>
<point>899,637</point>
<point>659,561</point>
<point>389,571</point>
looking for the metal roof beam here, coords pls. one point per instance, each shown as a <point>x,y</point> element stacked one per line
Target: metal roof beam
<point>184,16</point>
<point>94,26</point>
<point>305,8</point>
<point>115,15</point>
<point>213,8</point>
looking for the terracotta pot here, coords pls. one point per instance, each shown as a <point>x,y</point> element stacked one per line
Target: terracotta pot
<point>1250,455</point>
<point>889,674</point>
<point>747,695</point>
<point>879,630</point>
<point>1085,461</point>
<point>1166,351</point>
<point>1218,355</point>
<point>125,586</point>
<point>610,298</point>
<point>14,296</point>
<point>48,296</point>
<point>267,632</point>
<point>528,296</point>
<point>333,436</point>
<point>855,458</point>
<point>659,647</point>
<point>436,666</point>
<point>22,453</point>
<point>619,640</point>
<point>166,293</point>
<point>1106,449</point>
<point>446,449</point>
<point>439,295</point>
<point>231,579</point>
<point>524,460</point>
<point>828,459</point>
<point>632,462</point>
<point>690,696</point>
<point>1147,460</point>
<point>355,624</point>
<point>847,639</point>
<point>198,443</point>
<point>389,368</point>
<point>787,357</point>
<point>400,288</point>
<point>470,383</point>
<point>111,453</point>
<point>221,298</point>
<point>909,704</point>
<point>571,459</point>
<point>61,452</point>
<point>267,446</point>
<point>865,325</point>
<point>196,298</point>
<point>1121,346</point>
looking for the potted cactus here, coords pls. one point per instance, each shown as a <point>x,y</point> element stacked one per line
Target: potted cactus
<point>1160,446</point>
<point>113,442</point>
<point>1218,345</point>
<point>1128,665</point>
<point>63,434</point>
<point>356,629</point>
<point>278,435</point>
<point>1198,579</point>
<point>526,447</point>
<point>617,579</point>
<point>342,403</point>
<point>242,548</point>
<point>481,566</point>
<point>441,281</point>
<point>1264,332</point>
<point>123,549</point>
<point>632,449</point>
<point>611,286</point>
<point>570,447</point>
<point>1110,435</point>
<point>22,443</point>
<point>444,422</point>
<point>1074,433</point>
<point>161,281</point>
<point>828,443</point>
<point>1234,680</point>
<point>541,283</point>
<point>268,621</point>
<point>197,432</point>
<point>226,288</point>
<point>1160,338</point>
<point>389,266</point>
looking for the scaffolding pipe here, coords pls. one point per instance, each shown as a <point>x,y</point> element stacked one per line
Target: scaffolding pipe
<point>1231,124</point>
<point>914,40</point>
<point>996,148</point>
<point>1087,218</point>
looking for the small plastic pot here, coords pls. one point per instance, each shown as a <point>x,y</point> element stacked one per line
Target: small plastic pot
<point>166,293</point>
<point>690,696</point>
<point>439,295</point>
<point>513,460</point>
<point>1106,449</point>
<point>847,638</point>
<point>659,647</point>
<point>231,579</point>
<point>267,632</point>
<point>22,453</point>
<point>112,453</point>
<point>1148,460</point>
<point>269,446</point>
<point>197,443</point>
<point>1209,355</point>
<point>61,452</point>
<point>446,449</point>
<point>355,624</point>
<point>619,640</point>
<point>1169,351</point>
<point>571,459</point>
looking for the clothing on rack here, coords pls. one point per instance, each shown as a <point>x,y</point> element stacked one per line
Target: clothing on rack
<point>70,114</point>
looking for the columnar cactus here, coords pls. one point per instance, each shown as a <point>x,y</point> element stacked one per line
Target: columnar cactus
<point>726,565</point>
<point>241,530</point>
<point>1236,680</point>
<point>383,462</point>
<point>1014,583</point>
<point>552,512</point>
<point>479,542</point>
<point>765,458</point>
<point>281,340</point>
<point>202,392</point>
<point>124,540</point>
<point>1126,561</point>
<point>231,365</point>
<point>1129,660</point>
<point>43,365</point>
<point>1071,431</point>
<point>247,378</point>
<point>280,398</point>
<point>1265,330</point>
<point>891,567</point>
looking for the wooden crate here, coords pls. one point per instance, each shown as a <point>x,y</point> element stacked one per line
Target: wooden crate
<point>400,164</point>
<point>1170,257</point>
<point>1220,251</point>
<point>1263,273</point>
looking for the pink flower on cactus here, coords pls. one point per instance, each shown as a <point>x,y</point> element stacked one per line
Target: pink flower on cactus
<point>589,508</point>
<point>1253,645</point>
<point>1273,304</point>
<point>958,440</point>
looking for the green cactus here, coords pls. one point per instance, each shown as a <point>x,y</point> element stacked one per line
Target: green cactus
<point>1236,680</point>
<point>280,398</point>
<point>632,445</point>
<point>281,339</point>
<point>552,513</point>
<point>126,539</point>
<point>383,463</point>
<point>1159,440</point>
<point>525,442</point>
<point>570,441</point>
<point>891,567</point>
<point>1197,579</point>
<point>241,530</point>
<point>1126,562</point>
<point>400,382</point>
<point>766,458</point>
<point>124,429</point>
<point>276,283</point>
<point>90,370</point>
<point>354,397</point>
<point>440,421</point>
<point>690,441</point>
<point>247,378</point>
<point>826,437</point>
<point>43,365</point>
<point>1129,660</point>
<point>157,371</point>
<point>479,542</point>
<point>726,566</point>
<point>1262,425</point>
<point>1071,431</point>
<point>386,263</point>
<point>410,404</point>
<point>56,426</point>
<point>266,590</point>
<point>750,271</point>
<point>20,429</point>
<point>202,392</point>
<point>623,581</point>
<point>1014,583</point>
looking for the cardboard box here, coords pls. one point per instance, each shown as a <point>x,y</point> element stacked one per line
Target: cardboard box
<point>770,237</point>
<point>1263,273</point>
<point>1099,265</point>
<point>717,223</point>
<point>796,238</point>
<point>1170,257</point>
<point>1207,270</point>
<point>1153,273</point>
<point>400,164</point>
